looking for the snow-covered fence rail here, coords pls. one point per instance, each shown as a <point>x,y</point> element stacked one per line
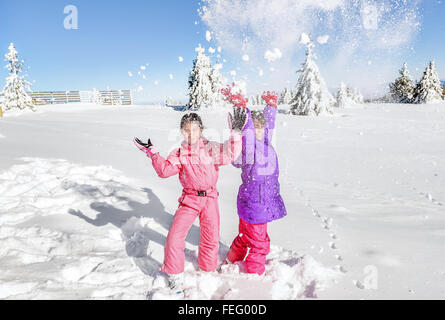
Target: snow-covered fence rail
<point>54,97</point>
<point>106,97</point>
<point>112,97</point>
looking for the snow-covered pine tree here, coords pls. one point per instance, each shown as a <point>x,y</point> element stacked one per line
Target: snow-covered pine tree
<point>342,96</point>
<point>14,94</point>
<point>281,99</point>
<point>285,97</point>
<point>258,100</point>
<point>429,89</point>
<point>402,90</point>
<point>218,82</point>
<point>202,82</point>
<point>358,97</point>
<point>312,96</point>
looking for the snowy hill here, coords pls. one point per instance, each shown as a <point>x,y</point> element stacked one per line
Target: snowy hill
<point>84,216</point>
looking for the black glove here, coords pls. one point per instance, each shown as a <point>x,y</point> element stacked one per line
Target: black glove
<point>146,145</point>
<point>239,118</point>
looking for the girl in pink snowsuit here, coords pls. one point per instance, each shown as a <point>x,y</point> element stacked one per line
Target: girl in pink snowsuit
<point>197,162</point>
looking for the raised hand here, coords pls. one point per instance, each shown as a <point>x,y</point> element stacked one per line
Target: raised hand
<point>238,120</point>
<point>271,98</point>
<point>147,148</point>
<point>237,99</point>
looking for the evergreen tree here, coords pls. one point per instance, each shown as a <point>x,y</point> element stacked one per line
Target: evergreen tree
<point>14,94</point>
<point>218,82</point>
<point>205,83</point>
<point>342,96</point>
<point>259,101</point>
<point>285,97</point>
<point>429,89</point>
<point>311,97</point>
<point>402,90</point>
<point>357,96</point>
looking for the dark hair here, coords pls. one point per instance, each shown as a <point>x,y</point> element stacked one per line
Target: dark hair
<point>191,117</point>
<point>259,116</point>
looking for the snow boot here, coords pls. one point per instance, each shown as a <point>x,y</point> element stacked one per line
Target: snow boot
<point>175,282</point>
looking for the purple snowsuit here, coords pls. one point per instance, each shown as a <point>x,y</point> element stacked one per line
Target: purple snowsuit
<point>259,199</point>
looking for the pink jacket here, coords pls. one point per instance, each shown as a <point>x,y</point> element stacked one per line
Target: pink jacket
<point>198,166</point>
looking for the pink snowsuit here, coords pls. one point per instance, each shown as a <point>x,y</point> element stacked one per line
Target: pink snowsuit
<point>255,237</point>
<point>198,168</point>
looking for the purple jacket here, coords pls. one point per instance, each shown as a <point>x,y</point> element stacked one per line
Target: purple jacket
<point>259,199</point>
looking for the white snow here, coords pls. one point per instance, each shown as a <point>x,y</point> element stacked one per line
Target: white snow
<point>84,216</point>
<point>304,38</point>
<point>208,36</point>
<point>272,55</point>
<point>181,59</point>
<point>323,39</point>
<point>246,57</point>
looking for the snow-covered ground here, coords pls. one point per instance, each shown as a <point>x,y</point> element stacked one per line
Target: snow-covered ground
<point>84,216</point>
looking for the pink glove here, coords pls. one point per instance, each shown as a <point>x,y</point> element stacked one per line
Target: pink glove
<point>271,99</point>
<point>237,100</point>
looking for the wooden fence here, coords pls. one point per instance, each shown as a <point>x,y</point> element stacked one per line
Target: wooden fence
<point>54,97</point>
<point>105,97</point>
<point>112,97</point>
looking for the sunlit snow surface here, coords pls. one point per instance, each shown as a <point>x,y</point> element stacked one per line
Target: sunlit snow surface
<point>84,216</point>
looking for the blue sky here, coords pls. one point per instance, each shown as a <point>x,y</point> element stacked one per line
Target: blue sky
<point>115,37</point>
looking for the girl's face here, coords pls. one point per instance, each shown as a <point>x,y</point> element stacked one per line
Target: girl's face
<point>191,132</point>
<point>259,129</point>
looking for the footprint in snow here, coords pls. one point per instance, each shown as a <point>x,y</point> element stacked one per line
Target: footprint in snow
<point>358,284</point>
<point>332,245</point>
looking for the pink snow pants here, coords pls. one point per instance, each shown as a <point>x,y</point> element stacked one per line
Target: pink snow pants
<point>190,207</point>
<point>255,237</point>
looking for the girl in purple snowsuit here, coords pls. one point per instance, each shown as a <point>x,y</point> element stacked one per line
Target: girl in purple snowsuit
<point>259,201</point>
